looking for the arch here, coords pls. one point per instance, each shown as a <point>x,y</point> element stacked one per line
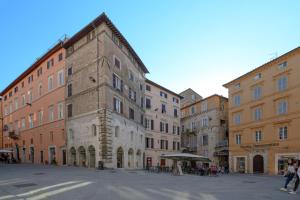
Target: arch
<point>72,160</point>
<point>82,156</point>
<point>258,164</point>
<point>138,158</point>
<point>130,158</point>
<point>92,156</point>
<point>120,157</point>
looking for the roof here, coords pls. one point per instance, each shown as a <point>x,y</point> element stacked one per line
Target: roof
<point>35,65</point>
<point>262,66</point>
<point>163,88</point>
<point>217,95</point>
<point>96,22</point>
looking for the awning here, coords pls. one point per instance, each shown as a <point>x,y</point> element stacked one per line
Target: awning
<point>185,157</point>
<point>5,151</point>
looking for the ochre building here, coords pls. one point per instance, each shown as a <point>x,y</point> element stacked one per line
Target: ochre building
<point>264,116</point>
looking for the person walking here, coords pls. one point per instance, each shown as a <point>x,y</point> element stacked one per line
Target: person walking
<point>297,180</point>
<point>290,173</point>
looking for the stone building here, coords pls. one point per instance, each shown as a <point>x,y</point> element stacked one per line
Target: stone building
<point>162,123</point>
<point>204,128</point>
<point>1,124</point>
<point>105,98</point>
<point>264,116</point>
<point>33,111</point>
<point>189,97</point>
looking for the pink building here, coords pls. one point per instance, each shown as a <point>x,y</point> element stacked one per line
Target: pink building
<point>33,111</point>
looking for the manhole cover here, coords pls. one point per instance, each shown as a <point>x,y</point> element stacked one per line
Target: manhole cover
<point>39,173</point>
<point>25,185</point>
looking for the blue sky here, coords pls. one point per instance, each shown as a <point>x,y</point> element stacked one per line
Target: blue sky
<point>196,44</point>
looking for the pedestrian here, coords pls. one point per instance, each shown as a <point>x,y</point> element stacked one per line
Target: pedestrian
<point>289,174</point>
<point>297,180</point>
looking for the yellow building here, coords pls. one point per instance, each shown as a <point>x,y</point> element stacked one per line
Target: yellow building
<point>264,116</point>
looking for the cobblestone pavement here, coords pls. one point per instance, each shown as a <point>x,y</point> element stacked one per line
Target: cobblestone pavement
<point>34,182</point>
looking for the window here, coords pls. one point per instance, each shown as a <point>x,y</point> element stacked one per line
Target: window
<point>60,78</point>
<point>175,100</point>
<point>94,130</point>
<point>238,139</point>
<point>142,102</point>
<point>51,139</point>
<point>147,123</point>
<point>40,89</point>
<point>22,84</point>
<point>50,83</point>
<point>70,110</point>
<point>60,57</point>
<point>118,105</point>
<point>193,97</point>
<point>142,119</point>
<point>237,119</point>
<point>204,106</point>
<point>16,103</point>
<point>23,125</point>
<point>131,113</point>
<point>10,94</point>
<point>282,65</point>
<point>175,112</point>
<point>282,83</point>
<point>257,93</point>
<point>178,130</point>
<point>162,94</point>
<point>237,100</point>
<point>163,108</point>
<point>205,140</point>
<point>117,128</point>
<point>205,122</point>
<point>141,87</point>
<point>117,63</point>
<point>30,120</point>
<point>10,107</point>
<point>148,103</point>
<point>148,88</point>
<point>174,129</point>
<point>6,110</point>
<point>40,116</point>
<point>39,71</point>
<point>174,145</point>
<point>23,99</point>
<point>182,129</point>
<point>30,78</point>
<point>162,127</point>
<point>50,63</point>
<point>51,113</point>
<point>60,111</point>
<point>69,89</point>
<point>130,76</point>
<point>30,98</point>
<point>257,114</point>
<point>117,83</point>
<point>282,107</point>
<point>131,135</point>
<point>192,110</point>
<point>152,124</point>
<point>283,133</point>
<point>70,70</point>
<point>16,125</point>
<point>16,89</point>
<point>237,86</point>
<point>257,76</point>
<point>258,136</point>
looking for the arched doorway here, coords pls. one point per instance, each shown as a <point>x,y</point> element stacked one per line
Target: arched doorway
<point>138,158</point>
<point>120,157</point>
<point>258,164</point>
<point>92,156</point>
<point>82,156</point>
<point>73,156</point>
<point>130,158</point>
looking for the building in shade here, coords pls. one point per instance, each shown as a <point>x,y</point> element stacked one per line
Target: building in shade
<point>204,127</point>
<point>162,123</point>
<point>1,124</point>
<point>105,98</point>
<point>33,111</point>
<point>264,116</point>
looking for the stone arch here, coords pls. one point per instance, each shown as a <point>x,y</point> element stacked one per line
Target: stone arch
<point>258,164</point>
<point>72,160</point>
<point>130,158</point>
<point>120,157</point>
<point>138,158</point>
<point>82,156</point>
<point>92,156</point>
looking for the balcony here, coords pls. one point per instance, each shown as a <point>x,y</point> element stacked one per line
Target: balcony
<point>13,134</point>
<point>222,145</point>
<point>188,131</point>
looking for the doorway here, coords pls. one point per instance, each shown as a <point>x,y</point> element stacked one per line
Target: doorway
<point>258,164</point>
<point>120,157</point>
